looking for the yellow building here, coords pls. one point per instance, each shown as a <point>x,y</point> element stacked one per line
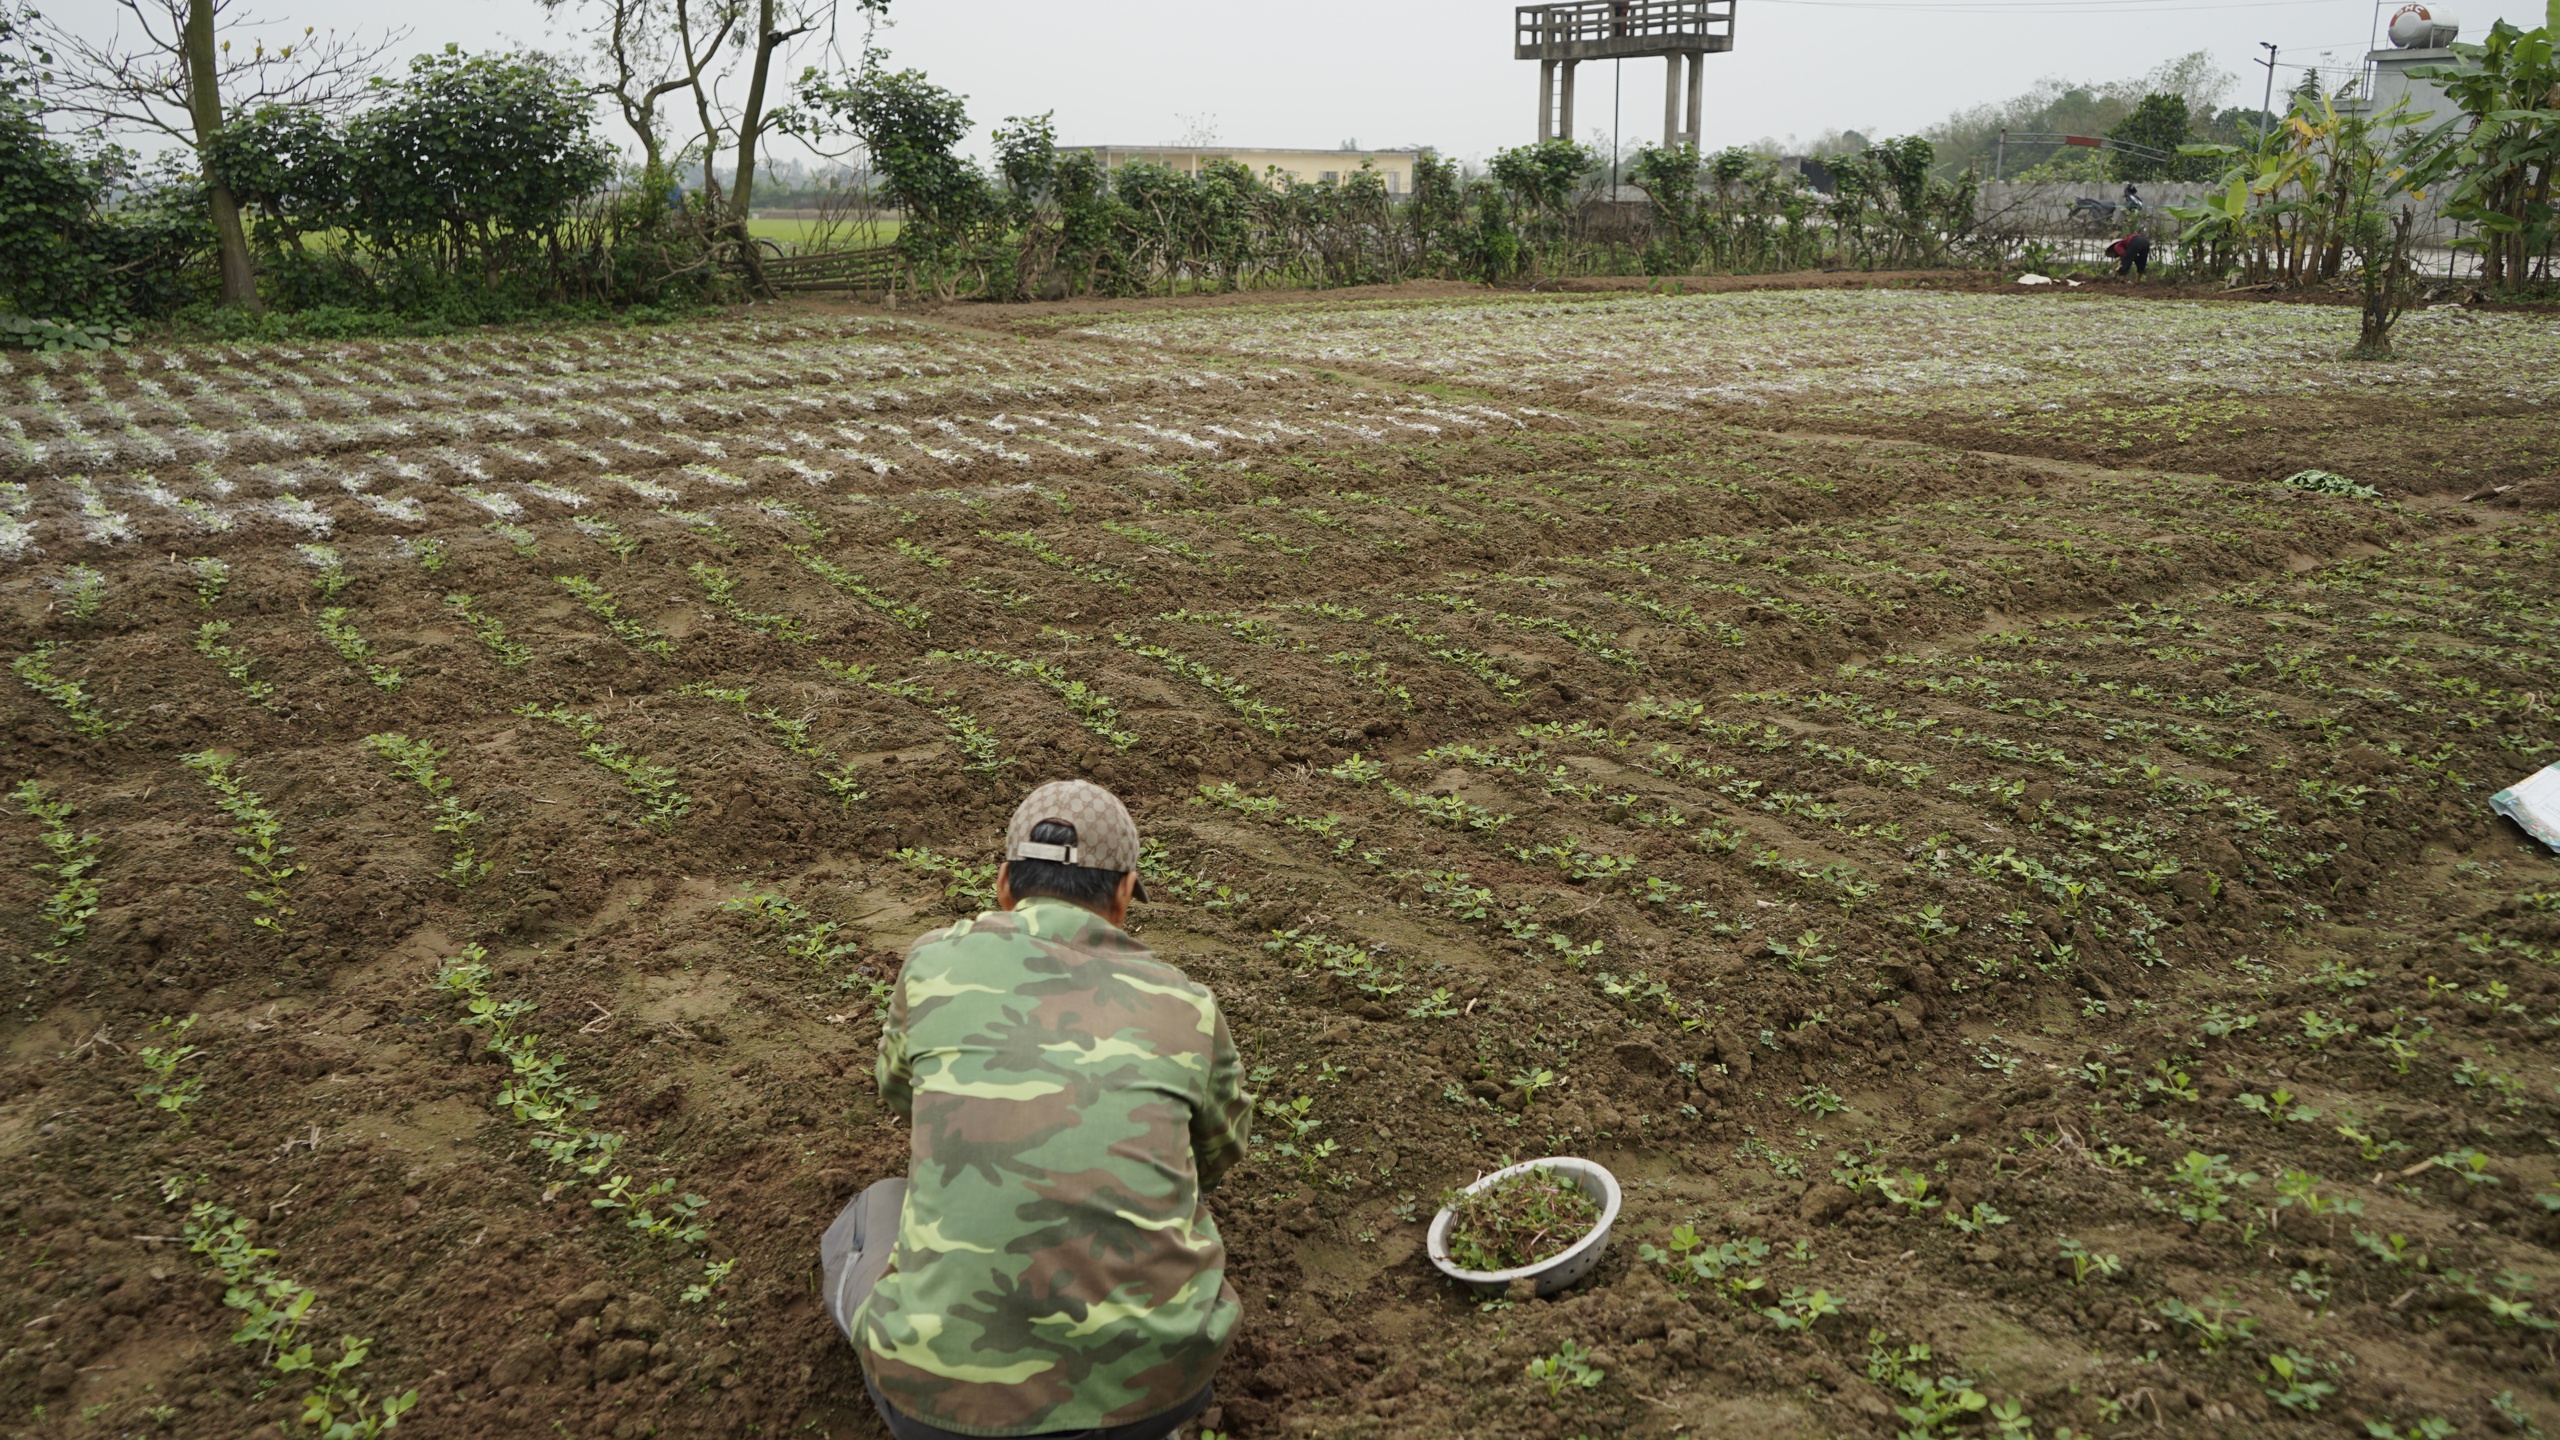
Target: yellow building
<point>1308,166</point>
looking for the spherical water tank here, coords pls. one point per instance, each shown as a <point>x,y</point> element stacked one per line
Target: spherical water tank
<point>2423,27</point>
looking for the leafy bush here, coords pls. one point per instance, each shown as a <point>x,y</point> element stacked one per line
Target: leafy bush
<point>475,191</point>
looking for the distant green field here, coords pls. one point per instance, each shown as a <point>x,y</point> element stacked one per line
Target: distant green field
<point>793,232</point>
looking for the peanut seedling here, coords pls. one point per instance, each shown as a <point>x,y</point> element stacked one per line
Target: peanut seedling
<point>213,576</point>
<point>723,592</point>
<point>2292,1382</point>
<point>274,1311</point>
<point>973,887</point>
<point>913,616</point>
<point>78,704</point>
<point>1093,710</point>
<point>490,632</point>
<point>654,786</point>
<point>1800,1311</point>
<point>209,644</point>
<point>539,1096</point>
<point>2086,1262</point>
<point>843,781</point>
<point>974,740</point>
<point>1569,1367</point>
<point>164,1089</point>
<point>84,592</point>
<point>1237,696</point>
<point>332,567</point>
<point>1979,1220</point>
<point>260,833</point>
<point>803,936</point>
<point>355,650</point>
<point>2212,1325</point>
<point>416,759</point>
<point>601,604</point>
<point>75,894</point>
<point>1938,1403</point>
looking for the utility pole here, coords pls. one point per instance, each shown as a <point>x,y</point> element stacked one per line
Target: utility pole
<point>2265,118</point>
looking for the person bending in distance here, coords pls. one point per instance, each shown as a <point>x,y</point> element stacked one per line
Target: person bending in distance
<point>1048,1266</point>
<point>2132,254</point>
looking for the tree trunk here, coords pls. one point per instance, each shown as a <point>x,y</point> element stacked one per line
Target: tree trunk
<point>204,107</point>
<point>742,185</point>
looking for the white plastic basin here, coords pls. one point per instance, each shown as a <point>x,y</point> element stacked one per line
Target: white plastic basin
<point>1556,1273</point>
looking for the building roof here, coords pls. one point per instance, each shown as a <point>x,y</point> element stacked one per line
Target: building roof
<point>1212,152</point>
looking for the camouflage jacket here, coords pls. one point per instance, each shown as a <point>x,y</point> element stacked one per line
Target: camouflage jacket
<point>1071,1098</point>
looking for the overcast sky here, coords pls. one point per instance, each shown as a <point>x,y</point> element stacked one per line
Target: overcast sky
<point>1390,73</point>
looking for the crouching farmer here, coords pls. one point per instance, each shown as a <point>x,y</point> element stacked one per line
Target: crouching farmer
<point>1048,1266</point>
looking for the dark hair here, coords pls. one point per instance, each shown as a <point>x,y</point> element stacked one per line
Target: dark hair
<point>1076,884</point>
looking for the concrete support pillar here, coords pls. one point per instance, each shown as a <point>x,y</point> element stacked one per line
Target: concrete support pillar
<point>1697,97</point>
<point>1671,107</point>
<point>1564,106</point>
<point>1546,99</point>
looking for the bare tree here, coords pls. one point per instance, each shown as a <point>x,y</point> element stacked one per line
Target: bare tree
<point>633,38</point>
<point>165,69</point>
<point>652,49</point>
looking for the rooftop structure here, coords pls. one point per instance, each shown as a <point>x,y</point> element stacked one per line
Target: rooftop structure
<point>1561,37</point>
<point>2420,38</point>
<point>1308,166</point>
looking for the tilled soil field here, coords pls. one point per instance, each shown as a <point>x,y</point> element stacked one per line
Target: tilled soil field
<point>2005,883</point>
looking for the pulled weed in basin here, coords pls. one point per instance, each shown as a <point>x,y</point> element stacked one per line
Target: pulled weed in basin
<point>78,704</point>
<point>1533,1216</point>
<point>75,895</point>
<point>260,833</point>
<point>417,759</point>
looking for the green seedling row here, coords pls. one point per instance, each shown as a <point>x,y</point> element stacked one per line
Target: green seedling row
<point>260,834</point>
<point>78,703</point>
<point>662,802</point>
<point>74,890</point>
<point>355,650</point>
<point>416,762</point>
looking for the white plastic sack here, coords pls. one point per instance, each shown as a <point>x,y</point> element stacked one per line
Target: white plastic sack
<point>2035,279</point>
<point>2534,803</point>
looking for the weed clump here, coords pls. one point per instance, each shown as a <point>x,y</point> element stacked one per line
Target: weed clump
<point>1533,1216</point>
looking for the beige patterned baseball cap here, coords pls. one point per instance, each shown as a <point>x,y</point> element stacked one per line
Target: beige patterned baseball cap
<point>1106,838</point>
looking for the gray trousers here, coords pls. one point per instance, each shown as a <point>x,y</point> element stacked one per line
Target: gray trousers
<point>855,1251</point>
<point>854,1254</point>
